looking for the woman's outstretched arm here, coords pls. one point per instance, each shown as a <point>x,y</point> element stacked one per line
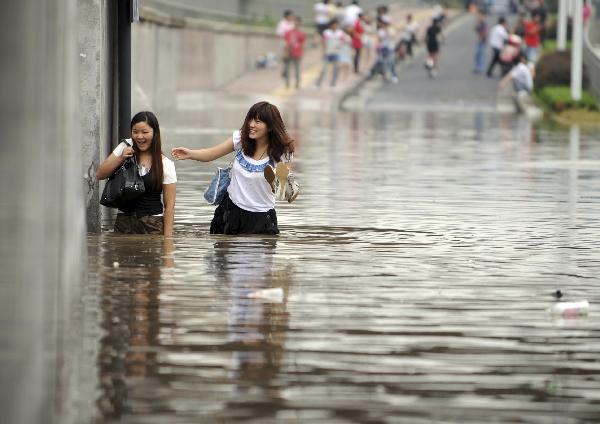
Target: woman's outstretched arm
<point>204,155</point>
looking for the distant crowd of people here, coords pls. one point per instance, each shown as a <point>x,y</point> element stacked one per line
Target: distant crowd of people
<point>352,40</point>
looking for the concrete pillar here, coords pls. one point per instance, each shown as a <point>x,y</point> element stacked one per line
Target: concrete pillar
<point>42,223</point>
<point>96,22</point>
<point>562,25</point>
<point>577,51</point>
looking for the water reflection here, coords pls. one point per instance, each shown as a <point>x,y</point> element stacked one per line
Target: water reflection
<point>158,336</point>
<point>257,322</point>
<point>415,274</point>
<point>130,275</point>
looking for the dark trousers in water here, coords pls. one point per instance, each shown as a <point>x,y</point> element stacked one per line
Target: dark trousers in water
<point>133,224</point>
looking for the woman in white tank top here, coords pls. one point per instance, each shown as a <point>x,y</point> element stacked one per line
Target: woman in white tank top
<point>261,145</point>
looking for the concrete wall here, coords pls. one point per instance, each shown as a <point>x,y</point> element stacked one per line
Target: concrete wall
<point>171,55</point>
<point>42,223</point>
<point>96,51</point>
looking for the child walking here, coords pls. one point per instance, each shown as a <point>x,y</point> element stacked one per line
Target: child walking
<point>263,150</point>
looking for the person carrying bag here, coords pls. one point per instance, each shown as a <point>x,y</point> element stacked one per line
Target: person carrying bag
<point>153,211</point>
<point>124,185</point>
<point>248,205</point>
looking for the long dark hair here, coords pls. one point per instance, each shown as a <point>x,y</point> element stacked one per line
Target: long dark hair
<point>155,148</point>
<point>279,141</point>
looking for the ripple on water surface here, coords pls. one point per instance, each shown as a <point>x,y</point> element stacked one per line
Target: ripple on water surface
<point>415,272</point>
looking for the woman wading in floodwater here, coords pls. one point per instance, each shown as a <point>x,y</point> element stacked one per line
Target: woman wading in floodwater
<point>259,175</point>
<point>147,214</point>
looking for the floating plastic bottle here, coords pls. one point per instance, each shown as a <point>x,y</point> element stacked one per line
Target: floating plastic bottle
<point>571,309</point>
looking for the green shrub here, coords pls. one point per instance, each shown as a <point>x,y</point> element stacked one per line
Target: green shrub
<point>555,69</point>
<point>558,98</point>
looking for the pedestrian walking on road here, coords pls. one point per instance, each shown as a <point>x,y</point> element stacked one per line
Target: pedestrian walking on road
<point>351,13</point>
<point>294,40</point>
<point>261,144</point>
<point>339,12</point>
<point>148,213</point>
<point>481,31</point>
<point>334,38</point>
<point>369,37</point>
<point>321,16</point>
<point>285,24</point>
<point>510,53</point>
<point>410,33</point>
<point>345,59</point>
<point>386,60</point>
<point>357,34</point>
<point>532,37</point>
<point>432,41</point>
<point>496,39</point>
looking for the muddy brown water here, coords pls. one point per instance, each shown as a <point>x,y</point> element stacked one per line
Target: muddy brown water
<point>413,278</point>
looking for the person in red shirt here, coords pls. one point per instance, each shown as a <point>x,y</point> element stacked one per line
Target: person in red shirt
<point>532,37</point>
<point>357,41</point>
<point>294,44</point>
<point>587,12</point>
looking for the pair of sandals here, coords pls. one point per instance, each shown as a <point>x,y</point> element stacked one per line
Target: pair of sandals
<point>282,182</point>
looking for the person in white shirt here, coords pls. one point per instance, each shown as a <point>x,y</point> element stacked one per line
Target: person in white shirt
<point>285,24</point>
<point>152,212</point>
<point>409,36</point>
<point>497,36</point>
<point>249,204</point>
<point>385,63</point>
<point>521,76</point>
<point>334,38</point>
<point>351,13</point>
<point>321,14</point>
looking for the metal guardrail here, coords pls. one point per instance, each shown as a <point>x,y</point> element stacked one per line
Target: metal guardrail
<point>591,55</point>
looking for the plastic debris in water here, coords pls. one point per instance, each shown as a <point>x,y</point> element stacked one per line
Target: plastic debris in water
<point>115,264</point>
<point>270,295</point>
<point>571,309</point>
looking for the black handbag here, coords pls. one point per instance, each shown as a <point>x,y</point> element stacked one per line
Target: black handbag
<point>123,186</point>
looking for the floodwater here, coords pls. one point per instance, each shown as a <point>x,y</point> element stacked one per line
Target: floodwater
<point>411,281</point>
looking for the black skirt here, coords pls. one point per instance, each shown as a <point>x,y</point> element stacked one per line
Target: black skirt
<point>433,47</point>
<point>231,219</point>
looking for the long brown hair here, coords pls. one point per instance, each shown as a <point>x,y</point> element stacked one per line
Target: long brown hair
<point>155,148</point>
<point>279,141</point>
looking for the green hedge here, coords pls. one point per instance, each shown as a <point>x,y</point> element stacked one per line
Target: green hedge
<point>553,69</point>
<point>558,98</point>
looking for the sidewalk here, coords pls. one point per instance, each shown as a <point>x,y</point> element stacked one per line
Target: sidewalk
<point>268,82</point>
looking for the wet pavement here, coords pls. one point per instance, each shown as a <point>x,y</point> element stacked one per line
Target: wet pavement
<point>411,282</point>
